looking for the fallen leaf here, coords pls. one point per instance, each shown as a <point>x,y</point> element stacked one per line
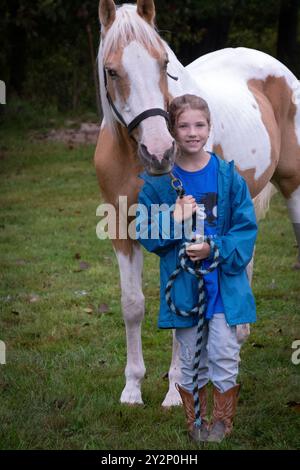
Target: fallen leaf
<point>257,345</point>
<point>294,404</point>
<point>20,262</point>
<point>65,403</point>
<point>32,298</point>
<point>88,310</point>
<point>80,293</point>
<point>59,403</point>
<point>84,265</point>
<point>273,284</point>
<point>103,308</point>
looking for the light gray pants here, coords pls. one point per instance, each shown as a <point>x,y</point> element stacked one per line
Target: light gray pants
<point>219,359</point>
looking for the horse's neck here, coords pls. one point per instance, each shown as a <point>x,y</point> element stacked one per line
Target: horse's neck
<point>185,82</point>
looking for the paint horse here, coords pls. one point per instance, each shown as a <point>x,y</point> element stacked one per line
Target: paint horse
<point>255,108</point>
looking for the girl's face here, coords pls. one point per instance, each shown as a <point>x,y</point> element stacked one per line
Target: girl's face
<point>192,131</point>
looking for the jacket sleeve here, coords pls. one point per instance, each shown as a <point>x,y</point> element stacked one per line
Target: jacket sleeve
<point>237,245</point>
<point>156,228</point>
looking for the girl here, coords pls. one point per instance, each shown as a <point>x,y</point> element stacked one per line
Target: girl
<point>229,232</point>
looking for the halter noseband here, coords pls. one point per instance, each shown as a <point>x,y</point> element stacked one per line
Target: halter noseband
<point>142,116</point>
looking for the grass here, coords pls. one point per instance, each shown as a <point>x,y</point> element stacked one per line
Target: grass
<point>64,374</point>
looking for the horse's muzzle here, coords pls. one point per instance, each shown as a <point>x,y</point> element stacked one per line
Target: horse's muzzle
<point>151,163</point>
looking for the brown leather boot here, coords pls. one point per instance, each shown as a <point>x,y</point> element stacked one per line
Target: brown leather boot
<point>223,413</point>
<point>196,434</point>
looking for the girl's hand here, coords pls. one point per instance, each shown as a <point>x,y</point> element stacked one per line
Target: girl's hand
<point>198,251</point>
<point>184,208</point>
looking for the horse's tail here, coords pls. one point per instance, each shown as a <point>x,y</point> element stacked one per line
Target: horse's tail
<point>262,200</point>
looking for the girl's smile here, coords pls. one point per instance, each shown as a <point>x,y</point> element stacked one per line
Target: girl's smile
<point>192,131</point>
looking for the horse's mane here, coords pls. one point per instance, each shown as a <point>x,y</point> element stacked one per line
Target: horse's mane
<point>128,26</point>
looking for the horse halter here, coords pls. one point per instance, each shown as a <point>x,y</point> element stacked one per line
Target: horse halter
<point>142,116</point>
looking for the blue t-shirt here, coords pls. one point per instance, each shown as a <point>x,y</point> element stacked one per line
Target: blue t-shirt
<point>203,186</point>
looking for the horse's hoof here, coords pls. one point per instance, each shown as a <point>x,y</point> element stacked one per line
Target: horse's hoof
<point>131,397</point>
<point>172,399</point>
<point>297,265</point>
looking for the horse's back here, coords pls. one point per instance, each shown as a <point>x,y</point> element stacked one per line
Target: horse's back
<point>242,63</point>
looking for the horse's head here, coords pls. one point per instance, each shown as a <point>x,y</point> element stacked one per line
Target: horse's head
<point>133,78</point>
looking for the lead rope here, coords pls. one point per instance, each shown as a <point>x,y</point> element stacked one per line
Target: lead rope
<point>201,304</point>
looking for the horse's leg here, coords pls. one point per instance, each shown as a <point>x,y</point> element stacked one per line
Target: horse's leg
<point>173,398</point>
<point>290,189</point>
<point>249,268</point>
<point>130,261</point>
<point>261,205</point>
<point>293,204</point>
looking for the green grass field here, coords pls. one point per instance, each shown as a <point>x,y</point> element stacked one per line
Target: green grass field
<point>64,334</point>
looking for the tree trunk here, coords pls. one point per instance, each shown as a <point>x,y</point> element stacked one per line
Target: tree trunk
<point>216,31</point>
<point>17,57</point>
<point>287,47</point>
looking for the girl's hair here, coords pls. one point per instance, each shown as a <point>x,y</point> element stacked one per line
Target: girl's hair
<point>184,102</point>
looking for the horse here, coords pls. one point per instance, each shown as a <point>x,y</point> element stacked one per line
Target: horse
<point>255,109</point>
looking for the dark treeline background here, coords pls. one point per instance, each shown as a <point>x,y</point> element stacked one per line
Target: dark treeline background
<point>49,47</point>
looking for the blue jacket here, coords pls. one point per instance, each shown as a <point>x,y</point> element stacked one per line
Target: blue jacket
<point>236,236</point>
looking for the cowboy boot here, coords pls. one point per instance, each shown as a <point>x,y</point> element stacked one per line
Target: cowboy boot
<point>223,413</point>
<point>196,434</point>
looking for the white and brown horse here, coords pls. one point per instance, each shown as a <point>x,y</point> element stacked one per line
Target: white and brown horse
<point>255,107</point>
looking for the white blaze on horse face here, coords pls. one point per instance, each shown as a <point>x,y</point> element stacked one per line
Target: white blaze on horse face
<point>145,93</point>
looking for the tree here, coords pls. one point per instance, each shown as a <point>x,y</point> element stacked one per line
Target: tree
<point>287,43</point>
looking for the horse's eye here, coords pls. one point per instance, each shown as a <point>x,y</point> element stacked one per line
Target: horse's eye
<point>166,64</point>
<point>112,73</point>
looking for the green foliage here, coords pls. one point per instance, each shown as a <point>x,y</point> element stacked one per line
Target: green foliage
<point>46,53</point>
<point>48,41</point>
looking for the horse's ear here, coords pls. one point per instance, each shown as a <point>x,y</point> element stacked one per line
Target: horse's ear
<point>107,13</point>
<point>146,9</point>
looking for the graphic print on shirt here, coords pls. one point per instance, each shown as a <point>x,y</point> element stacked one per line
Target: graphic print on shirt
<point>209,201</point>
